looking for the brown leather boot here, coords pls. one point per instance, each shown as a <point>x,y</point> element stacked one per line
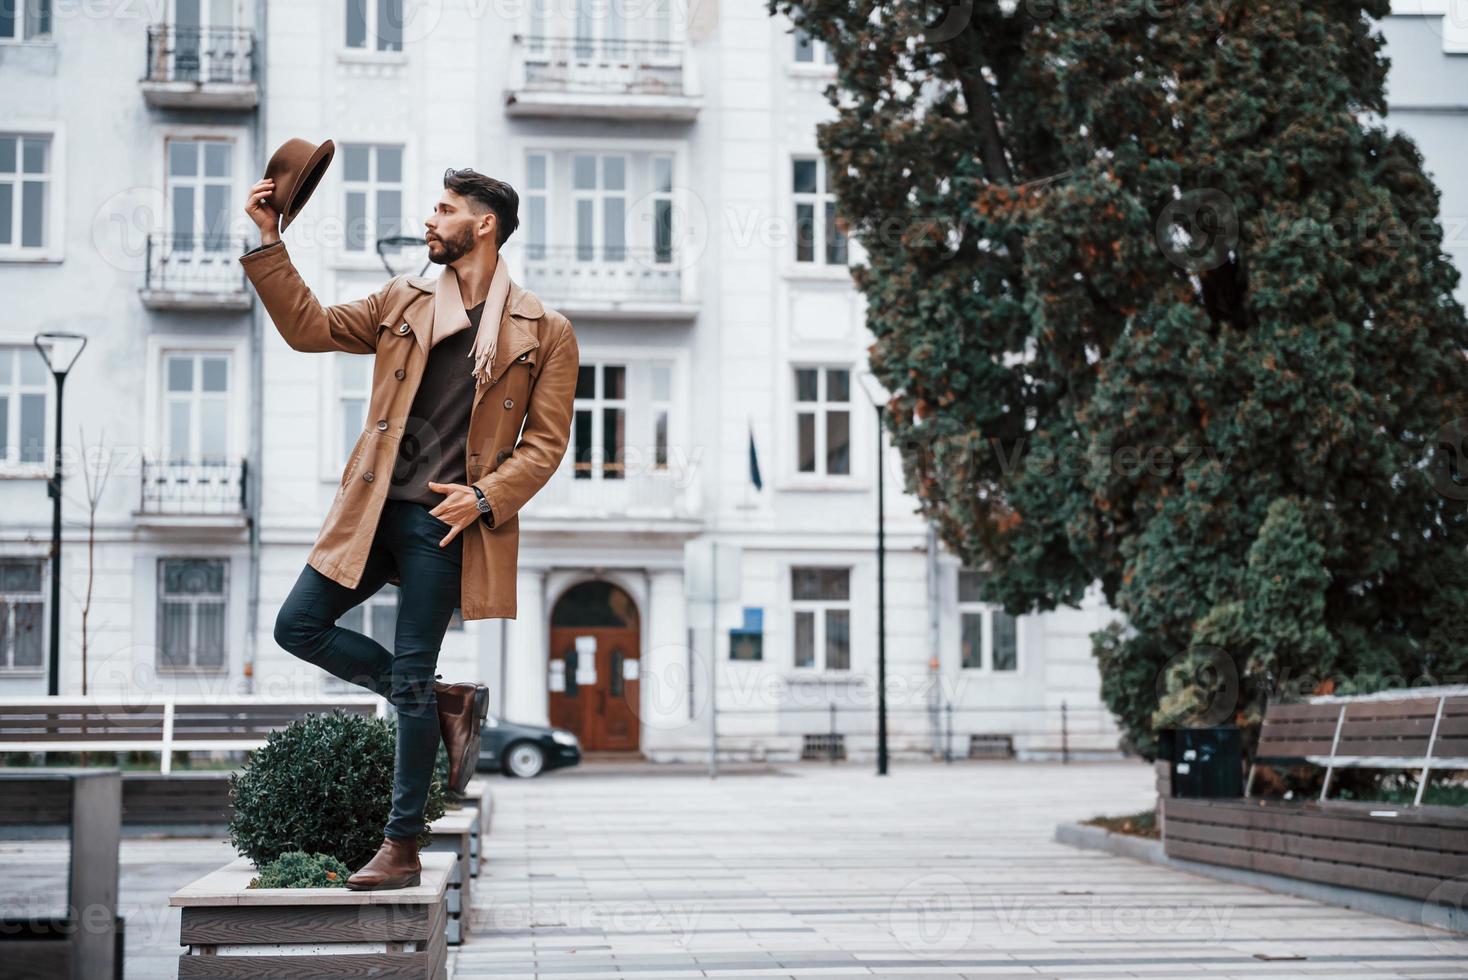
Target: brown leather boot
<point>395,865</point>
<point>461,712</point>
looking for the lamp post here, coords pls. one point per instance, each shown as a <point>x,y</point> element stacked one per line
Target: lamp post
<point>60,351</point>
<point>878,395</point>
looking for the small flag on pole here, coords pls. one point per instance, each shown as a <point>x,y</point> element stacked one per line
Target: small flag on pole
<point>754,462</point>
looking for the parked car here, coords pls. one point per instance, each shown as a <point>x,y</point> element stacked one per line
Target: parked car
<point>525,750</point>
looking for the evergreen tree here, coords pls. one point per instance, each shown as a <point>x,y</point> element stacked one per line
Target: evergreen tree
<point>1164,305</point>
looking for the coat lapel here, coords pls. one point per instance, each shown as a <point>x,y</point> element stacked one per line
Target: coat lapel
<point>515,337</point>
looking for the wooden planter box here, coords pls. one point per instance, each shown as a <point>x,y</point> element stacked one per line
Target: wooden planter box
<point>453,838</point>
<point>1416,852</point>
<point>478,791</point>
<point>236,932</point>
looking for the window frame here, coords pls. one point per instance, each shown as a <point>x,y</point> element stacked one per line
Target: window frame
<point>47,387</point>
<point>818,608</point>
<point>597,404</point>
<point>160,597</point>
<point>370,32</point>
<point>988,612</point>
<point>199,230</point>
<point>821,59</point>
<point>821,426</point>
<point>20,37</point>
<point>54,223</point>
<point>820,199</point>
<point>7,620</point>
<point>371,187</point>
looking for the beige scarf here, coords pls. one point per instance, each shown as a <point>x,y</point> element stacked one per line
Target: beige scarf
<point>449,316</point>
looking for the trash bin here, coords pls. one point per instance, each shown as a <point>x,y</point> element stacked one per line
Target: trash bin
<point>1206,763</point>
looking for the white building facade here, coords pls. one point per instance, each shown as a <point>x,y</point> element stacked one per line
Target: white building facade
<point>673,204</point>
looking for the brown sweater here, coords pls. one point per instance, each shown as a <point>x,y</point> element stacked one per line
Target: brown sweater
<point>438,423</point>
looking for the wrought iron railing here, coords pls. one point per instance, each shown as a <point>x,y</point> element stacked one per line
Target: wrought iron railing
<point>186,488</point>
<point>196,263</point>
<point>201,54</point>
<point>604,272</point>
<point>601,65</point>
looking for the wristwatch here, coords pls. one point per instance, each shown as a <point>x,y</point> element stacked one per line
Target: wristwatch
<point>486,514</point>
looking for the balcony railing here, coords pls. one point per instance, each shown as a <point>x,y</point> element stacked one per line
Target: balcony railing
<point>194,489</point>
<point>603,65</point>
<point>217,55</point>
<point>195,272</point>
<point>604,274</point>
<point>602,78</point>
<point>648,495</point>
<point>200,68</point>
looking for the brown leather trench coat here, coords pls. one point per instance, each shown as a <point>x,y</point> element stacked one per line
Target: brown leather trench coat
<point>532,380</point>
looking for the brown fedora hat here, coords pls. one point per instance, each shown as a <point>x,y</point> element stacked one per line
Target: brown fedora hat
<point>296,167</point>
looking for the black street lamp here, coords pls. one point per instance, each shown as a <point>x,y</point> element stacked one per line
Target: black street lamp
<point>875,392</point>
<point>60,351</point>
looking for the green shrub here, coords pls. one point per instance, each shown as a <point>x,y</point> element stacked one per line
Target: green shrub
<point>297,869</point>
<point>321,784</point>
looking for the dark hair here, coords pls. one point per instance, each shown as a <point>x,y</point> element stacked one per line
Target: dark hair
<point>496,195</point>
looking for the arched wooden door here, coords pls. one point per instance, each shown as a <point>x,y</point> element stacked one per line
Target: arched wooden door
<point>595,666</point>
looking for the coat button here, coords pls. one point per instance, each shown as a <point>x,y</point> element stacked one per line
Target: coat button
<point>509,402</point>
<point>367,476</point>
<point>382,425</point>
<point>523,356</point>
<point>402,328</point>
<point>399,374</point>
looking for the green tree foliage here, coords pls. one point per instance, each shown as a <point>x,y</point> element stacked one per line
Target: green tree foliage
<point>321,784</point>
<point>1164,305</point>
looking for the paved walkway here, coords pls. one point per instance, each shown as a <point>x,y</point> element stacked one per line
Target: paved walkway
<point>931,871</point>
<point>820,871</point>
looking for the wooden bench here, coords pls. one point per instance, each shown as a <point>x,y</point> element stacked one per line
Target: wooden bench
<point>161,725</point>
<point>1416,851</point>
<point>83,941</point>
<point>1423,733</point>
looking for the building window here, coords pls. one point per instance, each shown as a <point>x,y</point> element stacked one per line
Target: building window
<point>373,178</point>
<point>662,209</point>
<point>24,20</point>
<point>599,202</point>
<point>375,25</point>
<point>196,407</point>
<point>191,613</point>
<point>599,426</point>
<point>536,202</point>
<point>661,406</point>
<point>823,420</point>
<point>25,190</point>
<point>25,383</point>
<point>354,392</point>
<point>989,635</point>
<point>821,601</point>
<point>199,194</point>
<point>811,51</point>
<point>818,231</point>
<point>22,613</point>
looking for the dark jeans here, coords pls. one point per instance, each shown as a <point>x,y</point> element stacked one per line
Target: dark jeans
<point>406,541</point>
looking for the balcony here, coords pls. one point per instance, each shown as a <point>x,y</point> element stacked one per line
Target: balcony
<point>196,273</point>
<point>654,497</point>
<point>601,79</point>
<point>614,282</point>
<point>200,68</point>
<point>193,495</point>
